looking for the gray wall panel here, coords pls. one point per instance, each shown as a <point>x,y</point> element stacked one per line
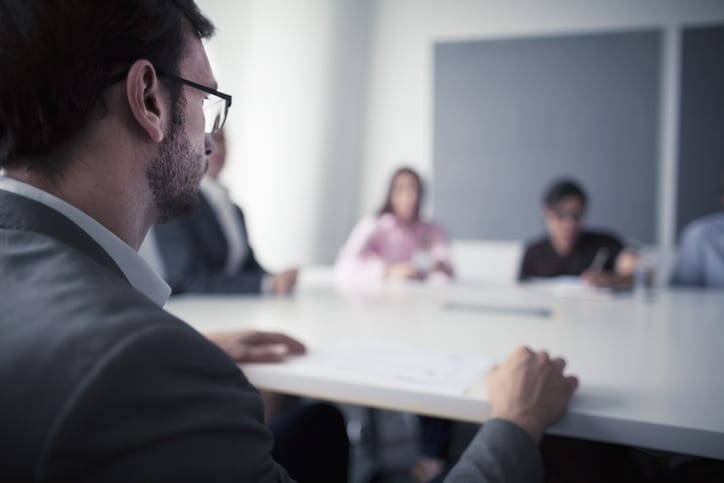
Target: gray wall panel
<point>701,141</point>
<point>511,115</point>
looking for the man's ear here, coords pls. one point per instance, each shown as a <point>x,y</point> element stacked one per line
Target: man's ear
<point>145,99</point>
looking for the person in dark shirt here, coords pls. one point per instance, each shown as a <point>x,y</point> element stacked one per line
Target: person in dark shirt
<point>599,257</point>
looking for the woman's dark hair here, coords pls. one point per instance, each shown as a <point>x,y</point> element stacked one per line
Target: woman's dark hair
<point>387,206</point>
<point>56,58</point>
<point>564,188</point>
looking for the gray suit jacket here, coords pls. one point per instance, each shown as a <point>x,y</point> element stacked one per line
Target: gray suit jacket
<point>99,384</point>
<point>501,452</point>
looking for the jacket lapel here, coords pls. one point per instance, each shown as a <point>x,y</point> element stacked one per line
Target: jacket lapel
<point>212,232</point>
<point>20,213</point>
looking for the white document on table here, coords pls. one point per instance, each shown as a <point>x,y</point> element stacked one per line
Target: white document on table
<point>397,366</point>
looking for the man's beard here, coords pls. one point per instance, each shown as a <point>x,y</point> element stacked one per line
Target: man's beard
<point>174,175</point>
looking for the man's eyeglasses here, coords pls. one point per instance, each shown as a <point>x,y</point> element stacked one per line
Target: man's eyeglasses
<point>216,104</point>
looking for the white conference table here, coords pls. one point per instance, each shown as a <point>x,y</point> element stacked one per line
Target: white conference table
<point>651,371</point>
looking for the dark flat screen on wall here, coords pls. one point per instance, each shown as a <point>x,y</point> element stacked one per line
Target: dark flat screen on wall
<point>510,115</point>
<point>701,139</point>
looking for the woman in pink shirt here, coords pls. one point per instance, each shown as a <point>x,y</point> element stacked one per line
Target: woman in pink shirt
<point>395,244</point>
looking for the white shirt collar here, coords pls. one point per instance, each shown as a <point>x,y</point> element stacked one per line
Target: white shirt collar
<point>234,232</point>
<point>211,187</point>
<point>139,273</point>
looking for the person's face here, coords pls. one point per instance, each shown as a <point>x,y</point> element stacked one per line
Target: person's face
<point>215,153</point>
<point>564,221</point>
<point>405,197</point>
<point>175,173</point>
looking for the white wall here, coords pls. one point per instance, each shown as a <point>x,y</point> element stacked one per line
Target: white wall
<point>399,123</point>
<point>296,71</point>
<point>330,95</point>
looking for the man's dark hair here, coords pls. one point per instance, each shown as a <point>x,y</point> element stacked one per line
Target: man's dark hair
<point>56,58</point>
<point>564,188</point>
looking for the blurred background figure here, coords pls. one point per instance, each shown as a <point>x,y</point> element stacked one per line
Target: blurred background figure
<point>210,252</point>
<point>700,260</point>
<point>395,243</point>
<point>598,257</point>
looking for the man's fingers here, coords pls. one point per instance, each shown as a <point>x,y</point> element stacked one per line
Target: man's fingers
<point>265,354</point>
<point>572,382</point>
<point>271,338</point>
<point>569,382</point>
<point>294,346</point>
<point>543,357</point>
<point>521,352</point>
<point>558,364</point>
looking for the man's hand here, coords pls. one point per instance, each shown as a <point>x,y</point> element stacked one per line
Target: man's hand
<point>529,389</point>
<point>254,346</point>
<point>283,283</point>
